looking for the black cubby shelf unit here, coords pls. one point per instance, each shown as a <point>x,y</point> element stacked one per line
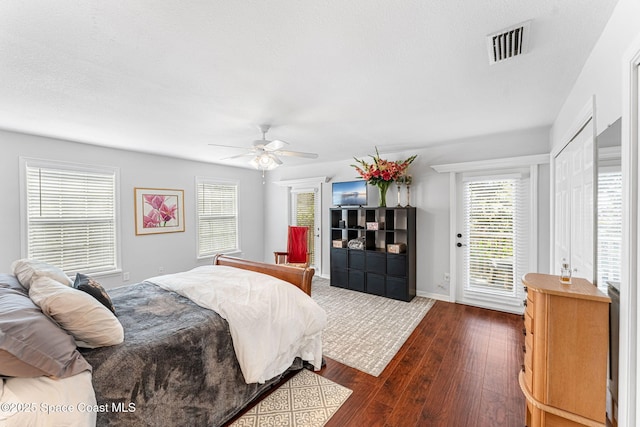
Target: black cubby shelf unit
<point>374,269</point>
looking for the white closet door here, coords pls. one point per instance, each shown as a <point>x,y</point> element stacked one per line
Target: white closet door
<point>574,208</point>
<point>562,233</point>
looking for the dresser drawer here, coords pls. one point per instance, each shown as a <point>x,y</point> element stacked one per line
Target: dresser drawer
<point>551,420</point>
<point>528,340</point>
<point>397,265</point>
<point>528,377</point>
<point>528,358</point>
<point>528,323</point>
<point>529,308</point>
<point>338,258</point>
<point>376,262</point>
<point>356,260</point>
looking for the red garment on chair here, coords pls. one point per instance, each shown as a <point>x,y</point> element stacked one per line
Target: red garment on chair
<point>297,244</point>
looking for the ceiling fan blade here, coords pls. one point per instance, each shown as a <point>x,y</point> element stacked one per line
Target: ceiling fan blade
<point>266,152</point>
<point>228,146</point>
<point>296,154</point>
<point>275,145</point>
<point>248,153</point>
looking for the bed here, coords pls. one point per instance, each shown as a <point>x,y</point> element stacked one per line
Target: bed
<point>181,362</point>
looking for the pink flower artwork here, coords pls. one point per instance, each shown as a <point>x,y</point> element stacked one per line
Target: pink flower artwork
<point>160,211</point>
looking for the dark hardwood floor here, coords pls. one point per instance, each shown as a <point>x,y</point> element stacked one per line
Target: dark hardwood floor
<point>458,368</point>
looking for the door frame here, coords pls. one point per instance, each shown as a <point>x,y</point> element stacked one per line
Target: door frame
<point>308,183</point>
<point>317,218</point>
<point>485,298</point>
<point>628,392</point>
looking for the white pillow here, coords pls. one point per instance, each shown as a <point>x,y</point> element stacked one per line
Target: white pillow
<point>24,270</point>
<point>91,323</point>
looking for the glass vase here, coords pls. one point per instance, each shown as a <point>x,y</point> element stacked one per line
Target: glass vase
<point>383,186</point>
<point>398,205</point>
<point>408,205</point>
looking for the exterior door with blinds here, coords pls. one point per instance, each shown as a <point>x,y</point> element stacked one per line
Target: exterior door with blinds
<point>492,240</point>
<point>306,212</point>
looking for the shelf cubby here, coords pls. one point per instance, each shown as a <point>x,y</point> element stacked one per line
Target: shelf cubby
<point>373,269</point>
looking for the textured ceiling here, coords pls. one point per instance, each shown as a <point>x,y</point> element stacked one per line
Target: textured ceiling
<point>332,77</point>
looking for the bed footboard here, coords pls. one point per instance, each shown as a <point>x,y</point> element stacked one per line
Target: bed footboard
<point>300,277</point>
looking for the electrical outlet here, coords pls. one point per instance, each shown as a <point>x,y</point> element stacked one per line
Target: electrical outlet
<point>160,269</point>
<point>125,276</point>
<point>447,277</point>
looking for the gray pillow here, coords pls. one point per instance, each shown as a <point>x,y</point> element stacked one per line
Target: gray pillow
<point>28,338</point>
<point>11,282</point>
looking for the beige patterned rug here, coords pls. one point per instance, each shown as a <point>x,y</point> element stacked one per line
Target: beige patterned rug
<point>365,331</point>
<point>307,400</point>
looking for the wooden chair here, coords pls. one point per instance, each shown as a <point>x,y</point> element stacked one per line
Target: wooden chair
<point>297,254</point>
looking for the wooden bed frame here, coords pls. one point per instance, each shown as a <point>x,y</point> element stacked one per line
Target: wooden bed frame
<point>300,277</point>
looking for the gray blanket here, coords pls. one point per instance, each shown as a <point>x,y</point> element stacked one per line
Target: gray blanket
<point>176,367</point>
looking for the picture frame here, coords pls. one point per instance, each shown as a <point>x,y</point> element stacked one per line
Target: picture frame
<point>158,210</point>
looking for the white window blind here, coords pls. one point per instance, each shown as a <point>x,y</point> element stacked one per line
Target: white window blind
<point>217,217</point>
<point>496,230</point>
<point>609,227</point>
<point>71,216</point>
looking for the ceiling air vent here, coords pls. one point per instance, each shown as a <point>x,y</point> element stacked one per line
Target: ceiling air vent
<point>508,43</point>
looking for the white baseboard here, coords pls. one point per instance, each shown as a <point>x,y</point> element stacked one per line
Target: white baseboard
<point>438,297</point>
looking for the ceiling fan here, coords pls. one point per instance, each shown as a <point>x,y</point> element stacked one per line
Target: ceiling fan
<point>266,153</point>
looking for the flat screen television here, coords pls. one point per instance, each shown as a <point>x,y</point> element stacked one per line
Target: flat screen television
<point>350,193</point>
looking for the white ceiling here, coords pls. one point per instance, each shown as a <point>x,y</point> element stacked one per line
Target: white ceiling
<point>333,77</point>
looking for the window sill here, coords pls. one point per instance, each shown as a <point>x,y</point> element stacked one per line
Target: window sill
<point>104,274</point>
<point>235,252</point>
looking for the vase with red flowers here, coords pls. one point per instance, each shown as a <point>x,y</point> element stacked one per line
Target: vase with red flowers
<point>382,173</point>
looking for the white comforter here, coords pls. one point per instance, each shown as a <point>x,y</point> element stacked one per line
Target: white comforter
<point>271,321</point>
<point>44,401</point>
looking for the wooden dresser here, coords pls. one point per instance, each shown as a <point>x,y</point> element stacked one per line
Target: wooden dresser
<point>564,377</point>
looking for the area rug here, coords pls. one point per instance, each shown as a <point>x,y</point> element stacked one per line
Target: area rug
<point>365,331</point>
<point>307,400</point>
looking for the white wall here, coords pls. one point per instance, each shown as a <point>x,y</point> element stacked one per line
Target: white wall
<point>601,75</point>
<point>429,193</point>
<point>142,256</point>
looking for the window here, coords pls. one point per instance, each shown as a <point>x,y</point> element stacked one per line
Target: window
<point>495,226</point>
<point>609,226</point>
<point>71,219</point>
<point>217,217</point>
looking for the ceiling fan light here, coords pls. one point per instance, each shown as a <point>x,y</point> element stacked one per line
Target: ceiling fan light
<point>264,161</point>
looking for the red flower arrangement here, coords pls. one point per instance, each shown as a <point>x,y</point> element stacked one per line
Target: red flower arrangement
<point>382,173</point>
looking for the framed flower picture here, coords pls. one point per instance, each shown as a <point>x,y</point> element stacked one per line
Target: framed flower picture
<point>159,210</point>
